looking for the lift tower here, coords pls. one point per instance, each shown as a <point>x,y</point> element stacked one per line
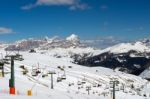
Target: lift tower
<point>51,73</point>
<point>12,79</point>
<point>114,84</point>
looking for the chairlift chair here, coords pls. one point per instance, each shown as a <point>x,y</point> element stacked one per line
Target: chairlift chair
<point>79,83</point>
<point>83,81</point>
<point>6,61</point>
<point>25,72</point>
<point>33,73</point>
<point>38,71</point>
<point>59,79</point>
<point>7,58</point>
<point>44,75</point>
<point>69,84</point>
<point>94,85</point>
<point>22,67</point>
<point>69,66</point>
<point>63,77</point>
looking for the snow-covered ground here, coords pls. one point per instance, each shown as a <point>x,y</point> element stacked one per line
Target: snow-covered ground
<point>126,47</point>
<point>78,79</point>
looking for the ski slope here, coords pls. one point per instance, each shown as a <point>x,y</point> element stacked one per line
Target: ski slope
<point>78,78</point>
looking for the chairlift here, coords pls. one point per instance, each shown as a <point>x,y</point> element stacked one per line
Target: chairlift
<point>69,84</point>
<point>7,58</point>
<point>79,83</point>
<point>22,67</point>
<point>38,71</point>
<point>122,87</point>
<point>33,73</point>
<point>20,59</point>
<point>6,61</point>
<point>116,89</point>
<point>25,72</point>
<point>94,85</point>
<point>59,79</point>
<point>69,66</point>
<point>99,85</point>
<point>63,77</point>
<point>83,82</point>
<point>58,67</point>
<point>44,75</point>
<point>88,88</point>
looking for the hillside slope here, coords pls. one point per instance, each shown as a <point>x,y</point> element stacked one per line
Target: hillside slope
<point>77,79</point>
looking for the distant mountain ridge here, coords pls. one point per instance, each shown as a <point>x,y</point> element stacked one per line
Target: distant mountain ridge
<point>46,43</point>
<point>132,58</point>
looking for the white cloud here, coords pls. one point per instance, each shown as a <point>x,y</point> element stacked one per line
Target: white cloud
<point>27,7</point>
<point>55,2</point>
<point>4,30</point>
<point>73,4</point>
<point>80,6</point>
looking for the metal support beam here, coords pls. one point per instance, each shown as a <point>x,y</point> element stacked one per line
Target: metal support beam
<point>12,79</point>
<point>52,85</point>
<point>114,83</point>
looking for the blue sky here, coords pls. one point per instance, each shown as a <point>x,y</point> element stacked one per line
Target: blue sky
<point>128,19</point>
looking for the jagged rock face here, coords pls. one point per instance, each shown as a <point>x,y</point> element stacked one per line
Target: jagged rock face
<point>71,41</point>
<point>131,62</point>
<point>25,45</point>
<point>47,43</point>
<point>60,44</point>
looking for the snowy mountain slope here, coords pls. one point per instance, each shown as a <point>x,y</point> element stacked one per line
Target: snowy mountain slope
<point>97,78</point>
<point>145,73</point>
<point>126,47</point>
<point>70,52</point>
<point>128,57</point>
